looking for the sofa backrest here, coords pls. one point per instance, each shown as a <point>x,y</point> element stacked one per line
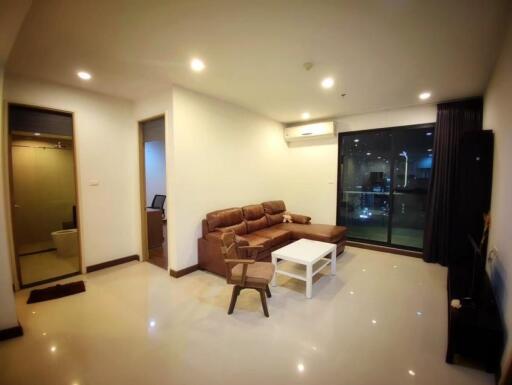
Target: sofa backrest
<point>246,219</point>
<point>254,217</point>
<point>274,211</point>
<point>226,220</point>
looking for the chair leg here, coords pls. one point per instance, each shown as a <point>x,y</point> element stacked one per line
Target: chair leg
<point>267,290</point>
<point>263,302</point>
<point>234,296</point>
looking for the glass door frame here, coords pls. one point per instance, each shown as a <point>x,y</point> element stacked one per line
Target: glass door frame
<point>339,190</point>
<point>17,277</point>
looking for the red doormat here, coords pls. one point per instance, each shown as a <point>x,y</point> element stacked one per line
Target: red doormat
<point>57,291</point>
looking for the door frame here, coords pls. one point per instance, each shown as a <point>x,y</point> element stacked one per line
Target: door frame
<point>10,197</point>
<point>339,189</point>
<point>142,183</point>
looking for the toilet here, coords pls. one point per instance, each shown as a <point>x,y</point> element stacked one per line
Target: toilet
<point>66,242</point>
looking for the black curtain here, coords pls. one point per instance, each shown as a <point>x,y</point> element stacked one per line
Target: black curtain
<point>454,119</point>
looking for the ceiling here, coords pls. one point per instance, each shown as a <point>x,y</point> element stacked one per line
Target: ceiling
<point>11,16</point>
<point>382,53</point>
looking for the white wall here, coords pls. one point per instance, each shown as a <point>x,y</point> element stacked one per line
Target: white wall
<point>155,169</point>
<point>154,160</point>
<point>312,166</point>
<point>106,141</point>
<point>218,155</point>
<point>498,117</point>
<point>224,156</point>
<point>7,307</point>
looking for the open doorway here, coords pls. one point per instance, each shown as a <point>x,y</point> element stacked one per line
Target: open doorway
<point>43,194</point>
<point>153,190</point>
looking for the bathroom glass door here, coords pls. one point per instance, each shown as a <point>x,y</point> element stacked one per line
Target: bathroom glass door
<point>44,195</point>
<point>383,178</point>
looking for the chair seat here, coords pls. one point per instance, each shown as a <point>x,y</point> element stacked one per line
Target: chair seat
<point>259,273</point>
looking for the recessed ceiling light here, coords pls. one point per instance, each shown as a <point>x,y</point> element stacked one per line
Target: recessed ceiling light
<point>429,150</point>
<point>300,367</point>
<point>197,65</point>
<point>36,134</point>
<point>306,115</point>
<point>351,292</point>
<point>53,349</point>
<point>84,75</point>
<point>368,153</point>
<point>429,133</point>
<point>374,321</point>
<point>356,140</point>
<point>412,373</point>
<point>327,82</point>
<point>419,313</point>
<point>424,95</point>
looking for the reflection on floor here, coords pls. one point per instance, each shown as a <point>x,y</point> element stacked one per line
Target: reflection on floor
<point>45,265</point>
<point>380,321</point>
<point>158,255</point>
<point>399,236</point>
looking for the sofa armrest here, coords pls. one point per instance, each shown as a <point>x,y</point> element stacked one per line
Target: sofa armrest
<point>298,218</point>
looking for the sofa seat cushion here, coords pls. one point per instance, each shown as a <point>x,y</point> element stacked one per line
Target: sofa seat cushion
<point>256,240</point>
<point>257,273</point>
<point>324,233</point>
<point>275,235</point>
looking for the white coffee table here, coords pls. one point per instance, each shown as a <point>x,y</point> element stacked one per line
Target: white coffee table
<point>305,252</point>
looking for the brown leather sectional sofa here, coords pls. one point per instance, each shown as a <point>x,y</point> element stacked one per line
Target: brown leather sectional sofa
<point>260,224</point>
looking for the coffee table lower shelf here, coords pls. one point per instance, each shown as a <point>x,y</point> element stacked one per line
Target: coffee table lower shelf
<point>307,253</point>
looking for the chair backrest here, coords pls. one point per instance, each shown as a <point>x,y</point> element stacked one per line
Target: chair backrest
<point>158,201</point>
<point>229,250</point>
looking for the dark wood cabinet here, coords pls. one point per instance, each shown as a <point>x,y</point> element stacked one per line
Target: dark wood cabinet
<point>155,228</point>
<point>475,330</point>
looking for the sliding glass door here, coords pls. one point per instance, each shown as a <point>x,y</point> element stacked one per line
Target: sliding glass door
<point>383,180</point>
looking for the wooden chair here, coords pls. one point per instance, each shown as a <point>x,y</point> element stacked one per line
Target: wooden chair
<point>245,273</point>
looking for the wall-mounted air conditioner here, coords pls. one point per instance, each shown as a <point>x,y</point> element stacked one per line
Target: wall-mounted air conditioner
<point>309,131</point>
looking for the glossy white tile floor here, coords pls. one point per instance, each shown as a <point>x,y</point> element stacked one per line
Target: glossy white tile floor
<point>136,325</point>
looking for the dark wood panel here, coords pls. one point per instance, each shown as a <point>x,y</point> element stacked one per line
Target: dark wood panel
<point>155,228</point>
<point>13,332</point>
<point>182,272</point>
<point>385,249</point>
<point>30,119</point>
<point>111,263</point>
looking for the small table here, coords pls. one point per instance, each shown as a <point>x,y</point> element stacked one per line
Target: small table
<point>305,252</point>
